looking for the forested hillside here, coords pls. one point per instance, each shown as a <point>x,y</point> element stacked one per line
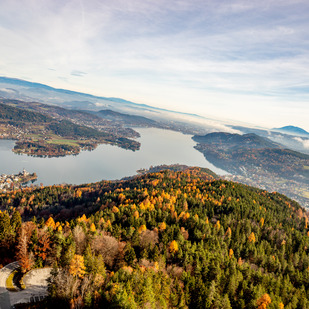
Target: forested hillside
<point>258,161</point>
<point>171,239</point>
<point>39,134</point>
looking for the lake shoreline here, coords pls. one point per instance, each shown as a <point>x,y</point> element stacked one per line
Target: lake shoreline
<point>108,162</point>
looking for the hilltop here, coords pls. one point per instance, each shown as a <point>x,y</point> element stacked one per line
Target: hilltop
<point>170,239</point>
<point>293,130</point>
<point>229,140</point>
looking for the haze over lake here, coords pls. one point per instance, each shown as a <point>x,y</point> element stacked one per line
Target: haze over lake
<point>108,162</point>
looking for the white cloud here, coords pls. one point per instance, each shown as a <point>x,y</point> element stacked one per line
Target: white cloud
<point>304,142</point>
<point>243,60</point>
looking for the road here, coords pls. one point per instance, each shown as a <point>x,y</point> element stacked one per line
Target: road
<point>35,282</point>
<point>5,300</point>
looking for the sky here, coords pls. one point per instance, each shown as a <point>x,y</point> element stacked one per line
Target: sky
<point>239,60</point>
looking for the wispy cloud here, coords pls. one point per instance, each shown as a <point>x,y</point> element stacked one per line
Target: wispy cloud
<point>78,73</point>
<point>241,59</point>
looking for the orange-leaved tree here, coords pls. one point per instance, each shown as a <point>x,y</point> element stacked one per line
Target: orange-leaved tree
<point>263,301</point>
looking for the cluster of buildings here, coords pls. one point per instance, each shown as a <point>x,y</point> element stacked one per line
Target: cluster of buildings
<point>10,181</point>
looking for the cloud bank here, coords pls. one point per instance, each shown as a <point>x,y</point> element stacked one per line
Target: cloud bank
<point>304,142</point>
<point>243,60</point>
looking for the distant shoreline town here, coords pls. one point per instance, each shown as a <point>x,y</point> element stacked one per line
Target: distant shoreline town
<point>15,181</point>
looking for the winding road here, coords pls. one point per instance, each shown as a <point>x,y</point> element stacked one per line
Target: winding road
<point>36,286</point>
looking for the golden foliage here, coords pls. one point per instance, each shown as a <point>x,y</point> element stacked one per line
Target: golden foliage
<point>263,301</point>
<point>162,226</point>
<point>262,222</point>
<point>115,209</point>
<point>231,252</point>
<point>136,214</point>
<point>77,266</point>
<point>83,218</point>
<point>142,228</point>
<point>50,223</point>
<point>92,228</point>
<point>218,225</point>
<point>173,246</point>
<point>251,238</point>
<point>228,232</point>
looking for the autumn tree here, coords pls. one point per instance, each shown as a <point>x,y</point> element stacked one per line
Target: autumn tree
<point>23,256</point>
<point>251,238</point>
<point>173,246</point>
<point>77,266</point>
<point>263,301</point>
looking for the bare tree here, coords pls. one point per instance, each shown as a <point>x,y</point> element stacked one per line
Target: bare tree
<point>149,239</point>
<point>80,239</point>
<point>109,247</point>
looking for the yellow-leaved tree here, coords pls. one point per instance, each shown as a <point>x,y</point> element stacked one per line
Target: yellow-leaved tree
<point>251,238</point>
<point>92,228</point>
<point>162,226</point>
<point>50,223</point>
<point>174,246</point>
<point>231,252</point>
<point>142,228</point>
<point>77,266</point>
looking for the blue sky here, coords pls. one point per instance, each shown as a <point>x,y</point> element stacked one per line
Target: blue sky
<point>239,60</point>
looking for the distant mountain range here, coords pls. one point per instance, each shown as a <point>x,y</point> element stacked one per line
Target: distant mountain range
<point>131,120</point>
<point>288,140</point>
<point>292,130</point>
<point>13,88</point>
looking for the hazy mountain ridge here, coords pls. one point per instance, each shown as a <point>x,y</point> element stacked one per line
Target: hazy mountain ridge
<point>11,88</point>
<point>95,102</point>
<point>292,130</point>
<point>131,120</point>
<point>229,140</point>
<point>291,141</point>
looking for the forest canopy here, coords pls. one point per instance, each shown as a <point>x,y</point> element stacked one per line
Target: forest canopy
<point>169,239</point>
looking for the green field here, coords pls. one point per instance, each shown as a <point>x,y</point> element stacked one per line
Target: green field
<point>69,142</point>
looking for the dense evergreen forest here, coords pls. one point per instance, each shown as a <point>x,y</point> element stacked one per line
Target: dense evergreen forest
<point>170,239</point>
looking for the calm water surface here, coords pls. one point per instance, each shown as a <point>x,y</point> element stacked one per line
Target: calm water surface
<point>106,161</point>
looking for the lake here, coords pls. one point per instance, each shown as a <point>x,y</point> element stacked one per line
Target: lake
<point>107,162</point>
